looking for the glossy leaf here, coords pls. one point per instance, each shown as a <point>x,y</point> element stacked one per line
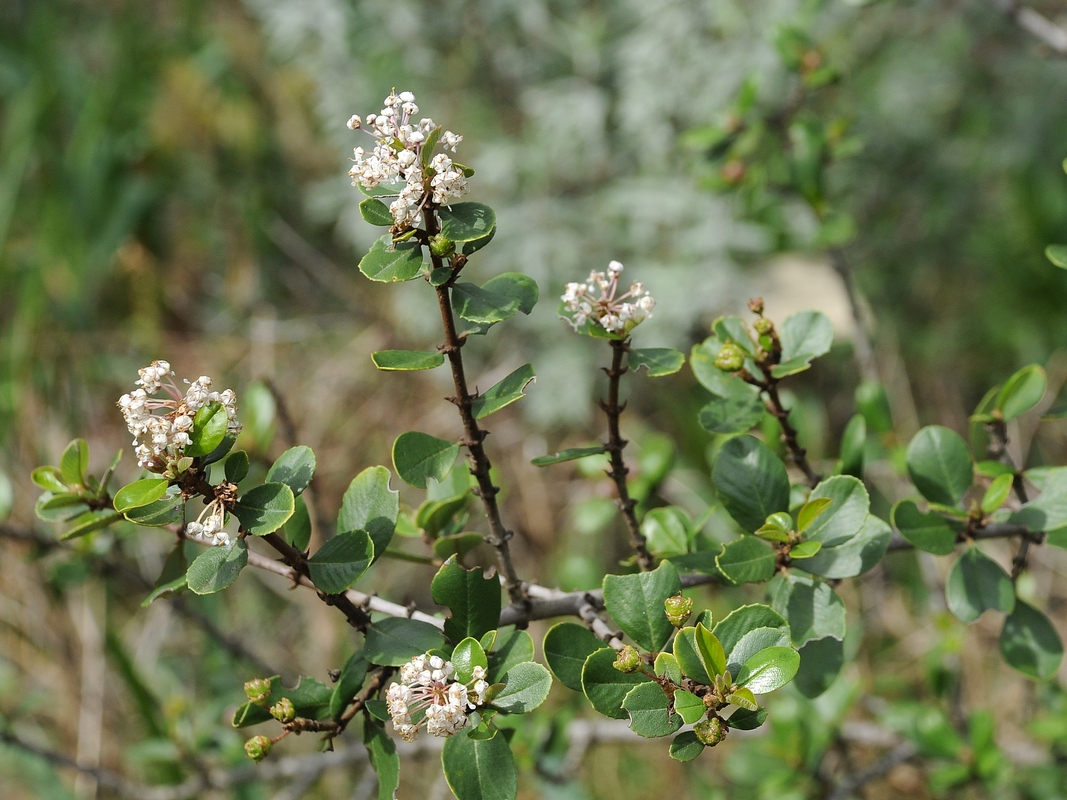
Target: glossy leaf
<point>1021,392</point>
<point>89,522</point>
<point>295,468</point>
<point>341,561</point>
<point>466,222</point>
<point>526,687</point>
<point>940,465</point>
<point>467,655</point>
<point>845,516</point>
<point>605,686</point>
<point>49,479</point>
<point>710,651</point>
<point>266,508</point>
<point>297,530</point>
<point>376,212</point>
<point>209,430</point>
<point>1057,254</point>
<point>997,493</point>
<point>745,720</point>
<point>506,650</point>
<point>649,710</point>
<point>658,361</point>
<point>504,393</point>
<point>217,567</point>
<point>854,557</point>
<point>732,628</point>
<point>689,707</point>
<point>572,454</point>
<point>236,466</point>
<point>166,510</point>
<point>388,262</point>
<point>746,560</point>
<point>751,481</point>
<point>686,746</point>
<point>752,642</point>
<point>74,463</point>
<point>567,645</point>
<point>666,531</point>
<point>1030,643</point>
<point>635,602</point>
<point>418,456</point>
<point>721,384</point>
<point>977,583</point>
<point>736,414</point>
<point>370,505</point>
<point>811,510</point>
<point>929,532</point>
<point>479,769</point>
<point>473,599</point>
<point>139,493</point>
<point>769,669</point>
<point>383,758</point>
<point>394,641</point>
<point>687,651</point>
<point>407,360</point>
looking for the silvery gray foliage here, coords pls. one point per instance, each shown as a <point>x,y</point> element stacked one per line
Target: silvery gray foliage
<point>577,145</point>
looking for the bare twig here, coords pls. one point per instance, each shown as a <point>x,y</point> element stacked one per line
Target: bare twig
<point>1040,27</point>
<point>615,446</point>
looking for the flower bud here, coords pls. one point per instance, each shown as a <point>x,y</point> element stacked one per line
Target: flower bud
<point>763,326</point>
<point>441,245</point>
<point>755,305</point>
<point>258,748</point>
<point>731,358</point>
<point>283,710</point>
<point>678,609</point>
<point>258,691</point>
<point>629,659</point>
<point>710,731</point>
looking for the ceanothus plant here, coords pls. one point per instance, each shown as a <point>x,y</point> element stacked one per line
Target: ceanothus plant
<point>667,668</point>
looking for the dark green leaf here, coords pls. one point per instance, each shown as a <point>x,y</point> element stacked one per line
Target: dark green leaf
<point>854,557</point>
<point>567,645</point>
<point>769,669</point>
<point>376,212</point>
<point>219,453</point>
<point>172,578</point>
<point>687,651</point>
<point>394,641</point>
<point>721,384</point>
<point>406,360</point>
<point>139,494</point>
<point>686,746</point>
<point>977,583</point>
<point>74,463</point>
<point>820,662</point>
<point>209,429</point>
<point>526,687</point>
<point>649,710</point>
<point>813,609</point>
<point>853,442</point>
<point>162,512</point>
<point>266,508</point>
<point>605,686</point>
<point>341,561</point>
<point>635,602</point>
<point>515,285</point>
<point>89,521</point>
<point>481,305</point>
<point>418,456</point>
<point>467,655</point>
<point>370,505</point>
<point>751,481</point>
<point>473,599</point>
<point>458,544</point>
<point>348,684</point>
<point>466,222</point>
<point>569,455</point>
<point>297,531</point>
<point>388,262</point>
<point>929,532</point>
<point>236,466</point>
<point>383,758</point>
<point>479,769</point>
<point>734,626</point>
<point>217,567</point>
<point>1021,392</point>
<point>1030,643</point>
<point>847,514</point>
<point>939,464</point>
<point>295,468</point>
<point>745,720</point>
<point>746,560</point>
<point>736,414</point>
<point>659,361</point>
<point>506,651</point>
<point>503,393</point>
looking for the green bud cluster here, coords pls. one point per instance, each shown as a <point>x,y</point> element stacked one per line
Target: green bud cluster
<point>710,731</point>
<point>258,691</point>
<point>731,358</point>
<point>629,659</point>
<point>442,246</point>
<point>678,609</point>
<point>258,748</point>
<point>283,710</point>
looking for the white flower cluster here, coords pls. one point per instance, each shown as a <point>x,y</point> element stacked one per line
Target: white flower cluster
<point>161,438</point>
<point>208,528</point>
<point>397,157</point>
<point>429,694</point>
<point>614,312</point>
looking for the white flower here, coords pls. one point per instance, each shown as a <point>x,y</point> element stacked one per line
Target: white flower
<point>429,693</point>
<point>615,313</point>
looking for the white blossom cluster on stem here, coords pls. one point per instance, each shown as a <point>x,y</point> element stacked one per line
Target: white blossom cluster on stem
<point>161,425</point>
<point>598,301</point>
<point>208,527</point>
<point>429,694</point>
<point>397,157</point>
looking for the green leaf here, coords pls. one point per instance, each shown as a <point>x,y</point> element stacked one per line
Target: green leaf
<point>171,578</point>
<point>939,464</point>
<point>811,510</point>
<point>745,720</point>
<point>49,479</point>
<point>217,567</point>
<point>515,285</point>
<point>74,463</point>
<point>769,669</point>
<point>1057,254</point>
<point>376,212</point>
<point>479,769</point>
<point>1049,511</point>
<point>295,468</point>
<point>459,544</point>
<point>721,384</point>
<point>572,454</point>
<point>929,532</point>
<point>466,222</point>
<point>162,512</point>
<point>139,494</point>
<point>854,557</point>
<point>736,414</point>
<point>752,642</point>
<point>349,682</point>
<point>734,329</point>
<point>710,651</point>
<point>504,393</point>
<point>977,583</point>
<point>853,443</point>
<point>236,466</point>
<point>467,655</point>
<point>297,531</point>
<point>310,698</point>
<point>689,707</point>
<point>820,662</point>
<point>526,687</point>
<point>383,758</point>
<point>473,599</point>
<point>418,456</point>
<point>90,521</point>
<point>847,514</point>
<point>1021,392</point>
<point>507,651</point>
<point>804,336</point>
<point>635,602</point>
<point>649,710</point>
<point>481,305</point>
<point>743,698</point>
<point>264,509</point>
<point>209,429</point>
<point>686,746</point>
<point>659,361</point>
<point>406,360</point>
<point>751,481</point>
<point>394,641</point>
<point>666,531</point>
<point>606,687</point>
<point>746,560</point>
<point>687,651</point>
<point>666,665</point>
<point>341,561</point>
<point>389,263</point>
<point>732,629</point>
<point>1030,643</point>
<point>804,550</point>
<point>567,645</point>
<point>370,505</point>
<point>813,609</point>
<point>997,493</point>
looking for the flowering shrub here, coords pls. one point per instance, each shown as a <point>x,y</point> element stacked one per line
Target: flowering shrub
<point>666,668</point>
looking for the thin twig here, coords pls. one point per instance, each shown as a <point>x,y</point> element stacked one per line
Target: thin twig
<point>1037,25</point>
<point>997,449</point>
<point>615,446</point>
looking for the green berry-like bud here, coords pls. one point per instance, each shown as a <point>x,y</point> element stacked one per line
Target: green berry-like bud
<point>710,731</point>
<point>283,710</point>
<point>629,659</point>
<point>678,609</point>
<point>731,358</point>
<point>441,245</point>
<point>258,748</point>
<point>258,691</point>
<point>763,326</point>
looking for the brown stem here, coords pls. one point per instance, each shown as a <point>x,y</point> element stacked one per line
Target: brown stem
<point>615,446</point>
<point>473,435</point>
<point>998,449</point>
<point>789,434</point>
